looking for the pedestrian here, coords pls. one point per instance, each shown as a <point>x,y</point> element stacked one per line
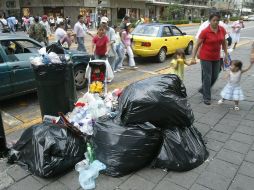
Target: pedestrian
<point>100,44</point>
<point>120,51</point>
<point>178,62</point>
<point>4,28</point>
<point>232,91</point>
<point>80,30</point>
<point>226,26</point>
<point>110,32</point>
<point>236,30</point>
<point>126,39</point>
<point>37,31</point>
<point>209,46</point>
<point>52,24</point>
<point>26,23</point>
<point>125,20</point>
<point>45,23</point>
<point>12,23</point>
<point>141,20</point>
<point>31,20</point>
<point>62,36</point>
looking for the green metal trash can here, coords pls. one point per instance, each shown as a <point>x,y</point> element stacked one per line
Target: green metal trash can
<point>55,88</point>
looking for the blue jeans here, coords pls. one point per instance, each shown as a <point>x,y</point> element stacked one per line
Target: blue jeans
<point>210,73</point>
<point>120,56</point>
<point>81,46</point>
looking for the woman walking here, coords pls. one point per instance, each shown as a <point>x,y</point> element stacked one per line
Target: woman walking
<point>126,40</point>
<point>209,45</point>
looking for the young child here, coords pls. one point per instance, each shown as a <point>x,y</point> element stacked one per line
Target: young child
<point>178,62</point>
<point>232,91</point>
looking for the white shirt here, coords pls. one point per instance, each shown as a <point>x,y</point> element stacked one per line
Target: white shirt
<point>47,27</point>
<point>4,23</point>
<point>205,24</point>
<point>60,33</point>
<point>80,30</point>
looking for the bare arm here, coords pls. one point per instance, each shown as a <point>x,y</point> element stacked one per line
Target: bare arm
<point>252,53</point>
<point>225,49</point>
<point>93,48</point>
<point>195,50</point>
<point>248,68</point>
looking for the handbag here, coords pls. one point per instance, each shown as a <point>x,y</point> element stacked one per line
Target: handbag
<point>5,28</point>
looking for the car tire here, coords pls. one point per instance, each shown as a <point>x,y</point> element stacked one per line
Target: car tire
<point>79,77</point>
<point>161,57</point>
<point>189,48</point>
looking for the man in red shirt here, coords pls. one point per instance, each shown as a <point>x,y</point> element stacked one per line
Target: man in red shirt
<point>209,45</point>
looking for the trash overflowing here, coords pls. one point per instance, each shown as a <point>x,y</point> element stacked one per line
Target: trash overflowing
<point>149,123</point>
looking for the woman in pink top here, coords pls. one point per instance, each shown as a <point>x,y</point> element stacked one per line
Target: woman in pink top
<point>237,26</point>
<point>126,39</point>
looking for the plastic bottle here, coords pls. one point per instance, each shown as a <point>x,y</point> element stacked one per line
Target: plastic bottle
<point>88,175</point>
<point>90,153</point>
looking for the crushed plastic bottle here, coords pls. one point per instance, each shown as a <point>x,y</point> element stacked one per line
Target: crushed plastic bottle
<point>88,174</point>
<point>90,153</point>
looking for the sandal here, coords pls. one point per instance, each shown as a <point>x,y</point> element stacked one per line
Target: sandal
<point>236,108</point>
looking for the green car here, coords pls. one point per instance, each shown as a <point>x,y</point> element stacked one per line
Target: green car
<point>16,74</point>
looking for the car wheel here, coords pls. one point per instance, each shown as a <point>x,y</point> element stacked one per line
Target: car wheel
<point>161,57</point>
<point>189,48</point>
<point>79,77</point>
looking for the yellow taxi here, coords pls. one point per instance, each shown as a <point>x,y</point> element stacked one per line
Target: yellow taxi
<point>159,40</point>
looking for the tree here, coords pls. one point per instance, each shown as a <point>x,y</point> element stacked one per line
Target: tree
<point>172,10</point>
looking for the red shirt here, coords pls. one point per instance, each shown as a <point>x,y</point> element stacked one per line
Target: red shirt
<point>210,49</point>
<point>101,44</point>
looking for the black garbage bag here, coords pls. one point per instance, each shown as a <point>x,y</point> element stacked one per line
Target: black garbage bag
<point>183,149</point>
<point>56,48</point>
<point>47,150</point>
<point>125,149</point>
<point>160,100</point>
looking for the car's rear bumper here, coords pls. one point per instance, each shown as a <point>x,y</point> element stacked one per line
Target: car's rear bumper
<point>145,52</point>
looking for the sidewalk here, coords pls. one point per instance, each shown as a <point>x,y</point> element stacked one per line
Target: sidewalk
<point>229,135</point>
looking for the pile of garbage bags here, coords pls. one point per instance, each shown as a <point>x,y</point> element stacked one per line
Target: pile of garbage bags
<point>153,126</point>
<point>149,123</point>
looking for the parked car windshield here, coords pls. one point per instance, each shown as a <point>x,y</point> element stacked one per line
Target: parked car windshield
<point>146,30</point>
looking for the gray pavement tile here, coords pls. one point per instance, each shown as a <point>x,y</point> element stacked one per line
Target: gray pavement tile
<point>201,108</point>
<point>17,173</point>
<point>242,138</point>
<point>242,182</point>
<point>219,136</point>
<point>249,117</point>
<point>237,146</point>
<point>70,180</point>
<point>44,181</point>
<point>198,115</point>
<point>108,183</point>
<point>214,181</point>
<point>184,179</point>
<point>214,145</point>
<point>200,169</point>
<point>230,156</point>
<point>153,175</point>
<point>247,123</point>
<point>166,184</point>
<point>238,114</point>
<point>56,185</point>
<point>223,168</point>
<point>202,128</point>
<point>3,165</point>
<point>246,130</point>
<point>198,187</point>
<point>29,183</point>
<point>5,180</point>
<point>211,118</point>
<point>136,182</point>
<point>247,168</point>
<point>250,156</point>
<point>229,122</point>
<point>225,128</point>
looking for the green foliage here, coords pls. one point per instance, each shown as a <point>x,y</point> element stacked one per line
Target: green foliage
<point>196,21</point>
<point>173,10</point>
<point>234,18</point>
<point>174,22</point>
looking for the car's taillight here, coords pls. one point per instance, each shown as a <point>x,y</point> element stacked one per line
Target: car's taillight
<point>146,44</point>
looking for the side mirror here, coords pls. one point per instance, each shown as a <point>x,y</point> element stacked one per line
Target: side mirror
<point>184,33</point>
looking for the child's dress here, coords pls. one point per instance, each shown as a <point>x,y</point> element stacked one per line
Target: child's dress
<point>233,91</point>
<point>178,65</point>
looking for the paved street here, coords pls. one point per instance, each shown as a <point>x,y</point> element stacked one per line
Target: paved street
<point>229,135</point>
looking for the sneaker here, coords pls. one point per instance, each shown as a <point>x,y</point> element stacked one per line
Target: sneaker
<point>221,101</point>
<point>133,67</point>
<point>118,70</point>
<point>207,102</point>
<point>121,68</point>
<point>115,71</point>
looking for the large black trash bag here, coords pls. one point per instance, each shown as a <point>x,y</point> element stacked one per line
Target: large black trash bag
<point>48,150</point>
<point>183,149</point>
<point>125,149</point>
<point>160,100</point>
